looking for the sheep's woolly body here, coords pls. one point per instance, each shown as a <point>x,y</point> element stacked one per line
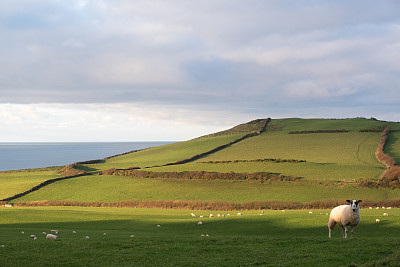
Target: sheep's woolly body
<point>344,216</point>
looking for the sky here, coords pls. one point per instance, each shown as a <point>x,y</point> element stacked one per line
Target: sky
<point>173,70</point>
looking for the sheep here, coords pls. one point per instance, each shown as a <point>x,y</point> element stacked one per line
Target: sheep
<point>200,223</point>
<point>385,214</point>
<point>51,236</point>
<point>310,212</point>
<point>345,215</point>
<point>132,236</point>
<point>158,226</point>
<point>74,232</point>
<point>87,237</point>
<point>44,233</point>
<point>377,221</point>
<point>22,232</point>
<point>239,214</point>
<point>193,215</point>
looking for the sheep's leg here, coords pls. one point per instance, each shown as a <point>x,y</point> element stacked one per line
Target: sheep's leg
<point>331,225</point>
<point>351,232</point>
<point>344,231</point>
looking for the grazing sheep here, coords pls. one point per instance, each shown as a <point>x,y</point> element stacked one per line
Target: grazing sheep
<point>193,215</point>
<point>211,215</point>
<point>33,236</point>
<point>132,236</point>
<point>104,233</point>
<point>74,232</point>
<point>158,226</point>
<point>87,237</point>
<point>201,216</point>
<point>389,208</point>
<point>22,232</point>
<point>377,221</point>
<point>345,215</point>
<point>385,214</point>
<point>51,236</point>
<point>310,212</point>
<point>200,223</point>
<point>44,233</point>
<point>239,214</point>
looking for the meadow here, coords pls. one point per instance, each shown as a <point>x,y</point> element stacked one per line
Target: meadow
<point>327,166</point>
<point>277,238</point>
<point>107,188</point>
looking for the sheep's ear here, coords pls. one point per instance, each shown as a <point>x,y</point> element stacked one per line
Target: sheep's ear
<point>348,201</point>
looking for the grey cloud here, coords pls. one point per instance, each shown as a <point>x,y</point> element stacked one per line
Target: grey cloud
<point>249,55</point>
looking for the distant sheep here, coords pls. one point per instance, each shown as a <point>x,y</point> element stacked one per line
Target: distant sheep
<point>51,236</point>
<point>200,223</point>
<point>345,215</point>
<point>385,214</point>
<point>377,221</point>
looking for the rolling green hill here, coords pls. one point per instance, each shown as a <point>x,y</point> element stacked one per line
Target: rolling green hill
<point>325,157</point>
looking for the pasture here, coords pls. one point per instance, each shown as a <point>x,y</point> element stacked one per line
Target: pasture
<point>276,238</point>
<point>116,188</point>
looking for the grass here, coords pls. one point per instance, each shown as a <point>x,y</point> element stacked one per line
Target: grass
<point>162,154</point>
<point>14,182</point>
<point>275,239</point>
<point>117,188</point>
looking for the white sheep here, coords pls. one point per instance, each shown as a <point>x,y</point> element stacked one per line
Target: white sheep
<point>193,215</point>
<point>345,215</point>
<point>385,214</point>
<point>200,223</point>
<point>239,214</point>
<point>74,232</point>
<point>377,221</point>
<point>51,236</point>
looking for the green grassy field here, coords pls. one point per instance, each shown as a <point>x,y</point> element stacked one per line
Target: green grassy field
<point>14,182</point>
<point>334,162</point>
<point>116,188</point>
<point>162,154</point>
<point>276,238</point>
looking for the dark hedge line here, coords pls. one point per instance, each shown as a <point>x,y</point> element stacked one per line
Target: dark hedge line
<point>214,205</point>
<point>319,131</point>
<point>391,177</point>
<point>202,175</point>
<point>254,160</point>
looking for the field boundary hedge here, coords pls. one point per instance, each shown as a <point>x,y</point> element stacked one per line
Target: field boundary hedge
<point>391,176</point>
<point>213,205</point>
<point>201,175</point>
<point>319,131</point>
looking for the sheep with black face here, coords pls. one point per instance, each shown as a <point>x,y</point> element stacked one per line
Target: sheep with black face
<point>345,215</point>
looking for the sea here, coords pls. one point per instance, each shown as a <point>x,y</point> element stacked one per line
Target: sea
<point>17,156</point>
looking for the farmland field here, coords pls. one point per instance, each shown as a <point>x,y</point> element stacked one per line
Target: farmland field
<point>276,238</point>
<point>116,188</point>
<point>321,162</point>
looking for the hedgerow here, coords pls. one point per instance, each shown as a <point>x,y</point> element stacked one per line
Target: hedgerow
<point>212,205</point>
<point>202,175</point>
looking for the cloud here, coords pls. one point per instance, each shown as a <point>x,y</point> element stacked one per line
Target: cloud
<point>246,58</point>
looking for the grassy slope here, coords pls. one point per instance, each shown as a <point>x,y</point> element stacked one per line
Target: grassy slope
<point>274,239</point>
<point>330,157</point>
<point>163,154</point>
<point>116,188</point>
<point>14,182</point>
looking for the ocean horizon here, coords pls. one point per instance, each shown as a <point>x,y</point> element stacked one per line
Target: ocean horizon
<point>29,155</point>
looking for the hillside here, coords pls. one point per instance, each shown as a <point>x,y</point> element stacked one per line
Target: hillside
<point>293,159</point>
